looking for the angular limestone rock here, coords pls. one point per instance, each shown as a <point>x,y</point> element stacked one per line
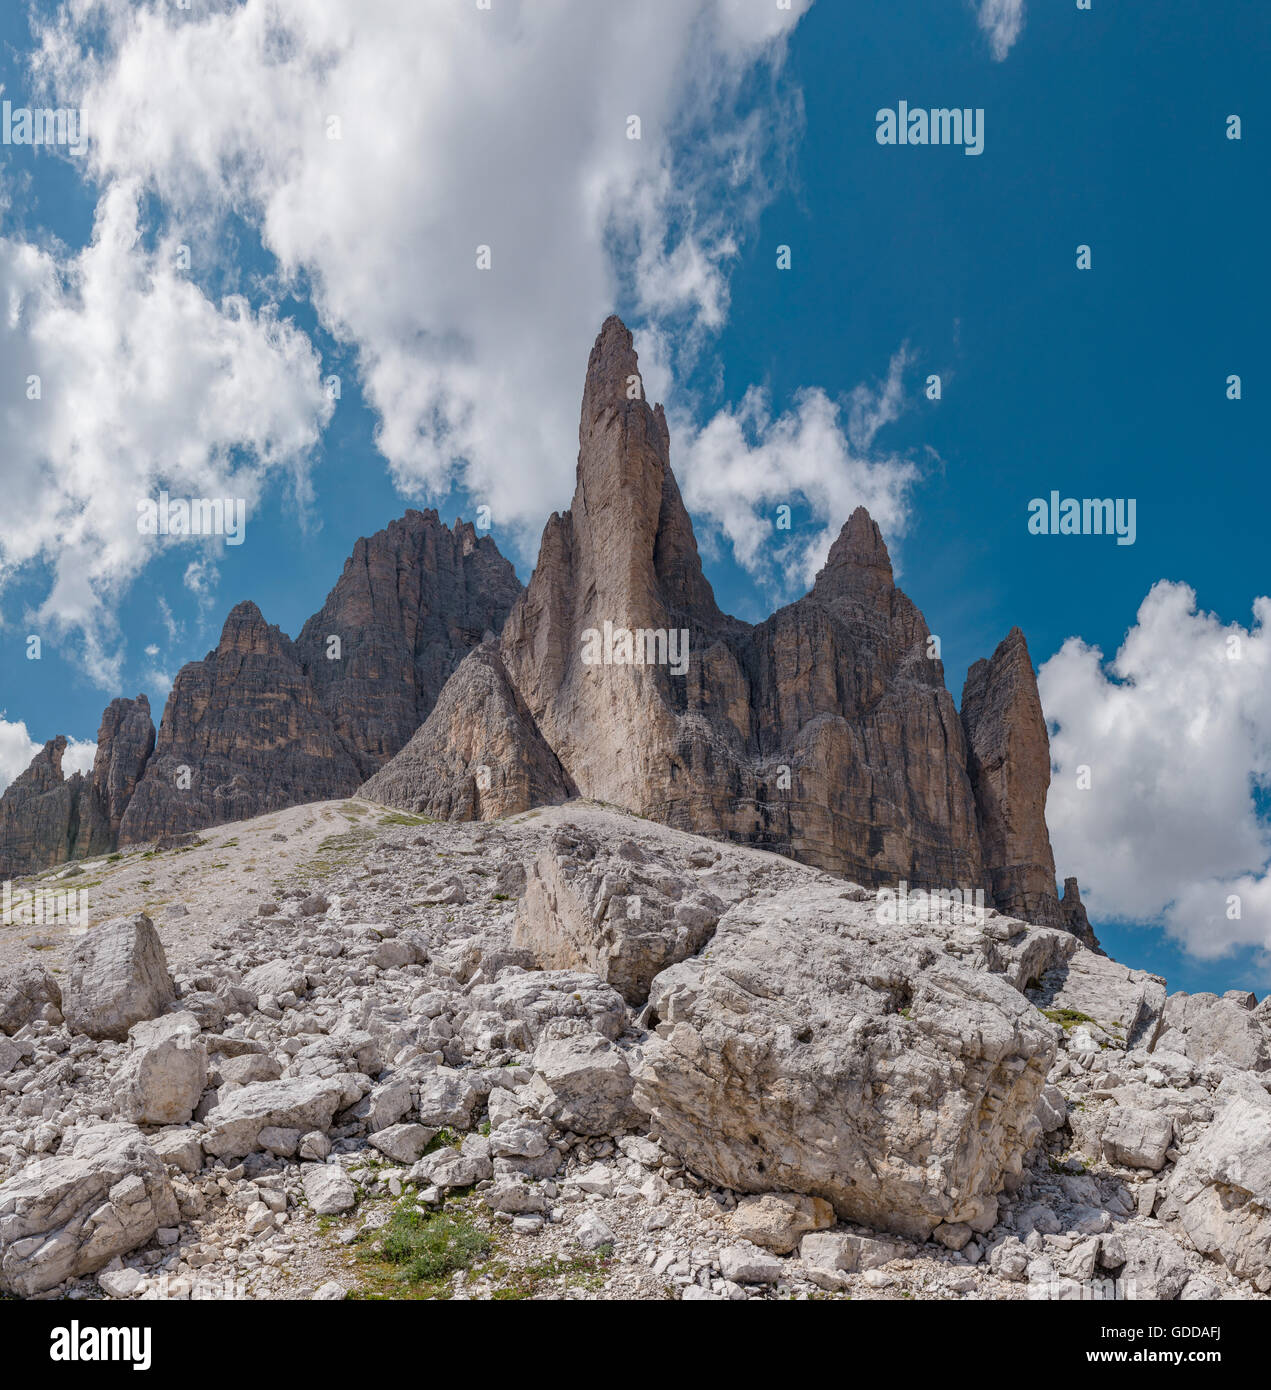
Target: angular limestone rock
<point>24,994</point>
<point>234,1126</point>
<point>1221,1189</point>
<point>1008,755</point>
<point>116,976</point>
<point>166,1071</point>
<point>106,1193</point>
<point>1207,1028</point>
<point>813,1051</point>
<point>606,908</point>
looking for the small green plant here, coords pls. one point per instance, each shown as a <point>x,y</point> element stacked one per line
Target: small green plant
<point>424,1247</point>
<point>1066,1018</point>
<point>445,1138</point>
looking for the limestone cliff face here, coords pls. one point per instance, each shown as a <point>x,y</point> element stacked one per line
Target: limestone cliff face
<point>46,819</point>
<point>125,742</point>
<point>243,733</point>
<point>413,600</point>
<point>1075,920</point>
<point>825,733</point>
<point>848,699</point>
<point>262,722</point>
<point>622,560</point>
<point>1009,762</point>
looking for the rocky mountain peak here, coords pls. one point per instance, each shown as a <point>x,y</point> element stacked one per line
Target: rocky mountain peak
<point>858,565</point>
<point>45,769</point>
<point>245,632</point>
<point>610,369</point>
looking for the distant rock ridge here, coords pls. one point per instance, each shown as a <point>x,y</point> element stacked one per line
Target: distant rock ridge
<point>434,682</point>
<point>47,818</point>
<point>263,722</point>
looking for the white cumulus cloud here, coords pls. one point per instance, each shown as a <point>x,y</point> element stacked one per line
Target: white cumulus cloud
<point>1175,732</point>
<point>746,462</point>
<point>376,150</point>
<point>119,376</point>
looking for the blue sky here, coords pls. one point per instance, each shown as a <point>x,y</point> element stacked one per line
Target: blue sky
<point>1105,127</point>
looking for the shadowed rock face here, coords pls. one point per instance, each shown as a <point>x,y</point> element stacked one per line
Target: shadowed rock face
<point>413,600</point>
<point>243,734</point>
<point>1075,919</point>
<point>845,695</point>
<point>1009,761</point>
<point>478,755</point>
<point>38,812</point>
<point>46,819</point>
<point>125,742</point>
<point>262,722</point>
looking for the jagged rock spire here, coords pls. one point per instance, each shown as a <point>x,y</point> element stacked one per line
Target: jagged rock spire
<point>1008,758</point>
<point>858,565</point>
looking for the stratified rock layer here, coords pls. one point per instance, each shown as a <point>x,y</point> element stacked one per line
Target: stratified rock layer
<point>413,600</point>
<point>243,734</point>
<point>125,742</point>
<point>105,1193</point>
<point>37,814</point>
<point>263,722</point>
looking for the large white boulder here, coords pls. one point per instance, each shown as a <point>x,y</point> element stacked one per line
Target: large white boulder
<point>26,993</point>
<point>582,1082</point>
<point>305,1103</point>
<point>1221,1190</point>
<point>115,977</point>
<point>811,1049</point>
<point>1205,1028</point>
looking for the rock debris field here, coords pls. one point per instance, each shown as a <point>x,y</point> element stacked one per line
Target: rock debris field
<point>339,1052</point>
